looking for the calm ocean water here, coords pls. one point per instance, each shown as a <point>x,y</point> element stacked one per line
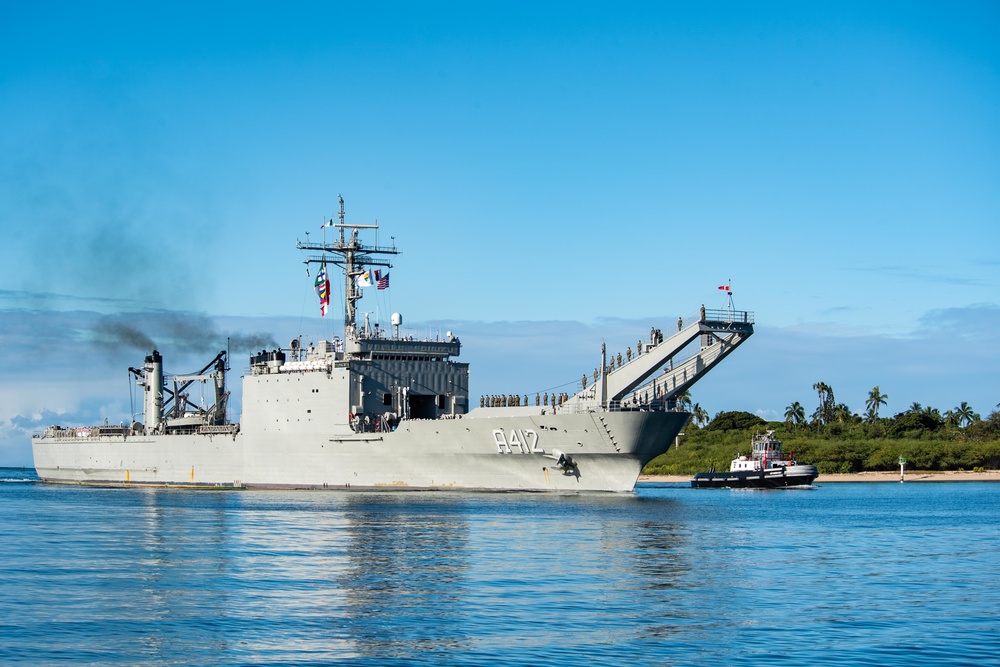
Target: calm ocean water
<point>838,574</point>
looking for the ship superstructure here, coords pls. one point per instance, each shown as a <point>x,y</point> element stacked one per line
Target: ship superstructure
<point>377,409</point>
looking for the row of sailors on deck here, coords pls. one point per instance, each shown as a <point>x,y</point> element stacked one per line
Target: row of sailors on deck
<point>513,400</point>
<point>655,338</point>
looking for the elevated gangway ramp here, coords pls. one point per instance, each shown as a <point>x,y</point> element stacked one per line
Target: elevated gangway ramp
<point>720,332</point>
<point>719,337</point>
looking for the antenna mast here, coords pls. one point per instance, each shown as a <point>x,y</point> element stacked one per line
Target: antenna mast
<point>352,256</point>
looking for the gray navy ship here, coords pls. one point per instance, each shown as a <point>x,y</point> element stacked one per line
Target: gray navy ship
<point>378,410</point>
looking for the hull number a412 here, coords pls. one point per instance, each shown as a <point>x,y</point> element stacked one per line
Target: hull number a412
<point>517,440</point>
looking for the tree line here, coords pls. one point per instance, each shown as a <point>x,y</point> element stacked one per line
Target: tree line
<point>836,439</point>
<point>838,417</point>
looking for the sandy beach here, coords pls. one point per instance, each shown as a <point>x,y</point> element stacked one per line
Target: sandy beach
<point>880,476</point>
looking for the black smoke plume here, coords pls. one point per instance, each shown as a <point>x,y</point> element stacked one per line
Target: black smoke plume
<point>182,332</point>
<point>113,333</point>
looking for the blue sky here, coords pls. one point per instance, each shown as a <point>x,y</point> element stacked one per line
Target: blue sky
<point>555,175</point>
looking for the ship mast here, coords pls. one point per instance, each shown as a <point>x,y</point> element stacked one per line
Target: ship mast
<point>351,292</point>
<point>352,256</point>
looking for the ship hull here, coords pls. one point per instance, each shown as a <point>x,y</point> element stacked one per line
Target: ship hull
<point>772,478</point>
<point>606,452</point>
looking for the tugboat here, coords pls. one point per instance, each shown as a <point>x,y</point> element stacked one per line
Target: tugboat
<point>765,468</point>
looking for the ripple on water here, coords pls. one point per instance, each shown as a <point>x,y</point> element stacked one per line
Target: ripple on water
<point>845,574</point>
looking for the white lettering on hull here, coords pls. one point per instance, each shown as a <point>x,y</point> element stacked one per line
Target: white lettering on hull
<point>523,441</point>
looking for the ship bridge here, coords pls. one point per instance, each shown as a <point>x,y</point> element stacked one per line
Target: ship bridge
<point>397,348</point>
<point>641,380</point>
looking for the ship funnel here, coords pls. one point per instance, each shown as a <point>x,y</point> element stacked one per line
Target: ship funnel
<point>153,401</point>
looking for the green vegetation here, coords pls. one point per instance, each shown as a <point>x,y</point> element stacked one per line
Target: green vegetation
<point>837,441</point>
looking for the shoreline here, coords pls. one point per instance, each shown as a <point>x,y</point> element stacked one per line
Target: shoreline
<point>870,476</point>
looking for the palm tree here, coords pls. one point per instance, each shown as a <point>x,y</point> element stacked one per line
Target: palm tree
<point>964,414</point>
<point>994,416</point>
<point>820,388</point>
<point>842,413</point>
<point>932,414</point>
<point>916,408</point>
<point>825,412</point>
<point>684,399</point>
<point>817,416</point>
<point>875,399</point>
<point>699,415</point>
<point>795,414</point>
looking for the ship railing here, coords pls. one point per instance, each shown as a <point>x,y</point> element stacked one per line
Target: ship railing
<point>218,429</point>
<point>311,366</point>
<point>644,347</point>
<point>673,375</point>
<point>711,316</point>
<point>575,407</point>
<point>643,406</point>
<point>306,366</point>
<point>728,316</point>
<point>82,432</point>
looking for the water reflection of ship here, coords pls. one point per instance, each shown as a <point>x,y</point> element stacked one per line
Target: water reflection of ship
<point>177,537</point>
<point>657,548</point>
<point>405,559</point>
